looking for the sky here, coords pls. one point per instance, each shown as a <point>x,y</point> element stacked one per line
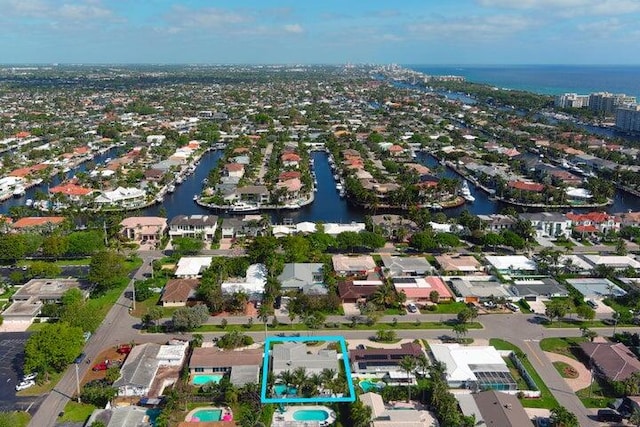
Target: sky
<point>320,31</point>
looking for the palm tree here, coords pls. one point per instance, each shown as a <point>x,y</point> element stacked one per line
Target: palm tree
<point>299,376</point>
<point>327,376</point>
<point>263,314</point>
<point>460,330</point>
<point>423,364</point>
<point>408,364</point>
<point>385,296</point>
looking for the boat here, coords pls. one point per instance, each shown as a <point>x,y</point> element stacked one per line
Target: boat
<point>19,192</point>
<point>195,197</point>
<point>465,192</point>
<point>339,187</point>
<point>28,203</point>
<point>179,180</point>
<point>171,189</point>
<point>243,208</point>
<point>342,192</point>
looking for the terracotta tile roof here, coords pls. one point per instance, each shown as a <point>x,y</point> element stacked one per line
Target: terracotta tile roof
<point>285,176</point>
<point>596,217</point>
<point>179,289</point>
<point>36,221</point>
<point>586,229</point>
<point>23,134</point>
<point>27,170</point>
<point>396,149</point>
<point>290,157</point>
<point>234,167</point>
<point>70,189</point>
<point>526,186</point>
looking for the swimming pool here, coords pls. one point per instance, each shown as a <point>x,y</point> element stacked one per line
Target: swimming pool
<point>367,385</point>
<point>311,415</point>
<point>207,415</point>
<point>206,378</point>
<point>282,389</point>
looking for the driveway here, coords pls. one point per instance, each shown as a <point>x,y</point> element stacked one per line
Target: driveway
<point>350,309</point>
<point>584,375</point>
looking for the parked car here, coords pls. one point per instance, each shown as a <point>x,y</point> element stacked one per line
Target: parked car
<point>411,307</point>
<point>609,415</point>
<point>80,358</point>
<point>489,304</point>
<point>30,377</point>
<point>609,321</point>
<point>25,385</point>
<point>102,366</point>
<point>124,349</point>
<point>511,306</point>
<point>591,303</point>
<point>360,347</point>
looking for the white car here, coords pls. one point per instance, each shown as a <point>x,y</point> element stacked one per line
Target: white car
<point>30,377</point>
<point>25,385</point>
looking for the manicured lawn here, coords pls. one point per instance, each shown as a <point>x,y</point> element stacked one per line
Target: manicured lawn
<point>143,306</point>
<point>562,346</point>
<point>448,308</point>
<point>75,412</point>
<point>43,388</point>
<point>16,419</point>
<point>546,399</point>
<point>576,323</point>
<point>595,396</point>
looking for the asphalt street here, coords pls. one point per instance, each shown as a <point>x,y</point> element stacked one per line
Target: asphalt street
<point>11,362</point>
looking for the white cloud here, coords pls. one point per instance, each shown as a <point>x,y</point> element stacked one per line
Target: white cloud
<point>208,18</point>
<point>294,28</point>
<point>569,8</point>
<point>472,28</point>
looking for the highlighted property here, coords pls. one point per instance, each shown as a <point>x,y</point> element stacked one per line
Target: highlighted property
<point>303,371</point>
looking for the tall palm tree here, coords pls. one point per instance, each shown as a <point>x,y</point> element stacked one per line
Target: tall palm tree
<point>408,364</point>
<point>299,376</point>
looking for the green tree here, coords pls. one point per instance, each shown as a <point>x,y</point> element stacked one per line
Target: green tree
<point>43,269</point>
<point>112,374</point>
<point>423,241</point>
<point>262,248</point>
<point>55,246</point>
<point>296,248</point>
<point>107,269</point>
<point>621,247</point>
<point>561,417</point>
<point>556,308</point>
<point>588,333</point>
<point>97,393</point>
<point>467,314</point>
<point>585,312</point>
<point>460,329</point>
<point>81,243</point>
<point>408,365</point>
<point>12,247</point>
<point>635,418</point>
<point>189,318</point>
<point>359,414</point>
<point>492,240</point>
<point>52,348</point>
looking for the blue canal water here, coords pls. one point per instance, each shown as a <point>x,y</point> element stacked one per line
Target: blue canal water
<point>328,205</point>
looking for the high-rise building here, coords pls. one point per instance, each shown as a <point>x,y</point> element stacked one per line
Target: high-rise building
<point>607,103</point>
<point>628,118</point>
<point>572,100</point>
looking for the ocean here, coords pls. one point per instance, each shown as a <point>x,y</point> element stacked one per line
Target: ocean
<point>547,79</point>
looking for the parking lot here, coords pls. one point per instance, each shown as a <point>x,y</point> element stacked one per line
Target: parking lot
<point>11,360</point>
<point>78,271</point>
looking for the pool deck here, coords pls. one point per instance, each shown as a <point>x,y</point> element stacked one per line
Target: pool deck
<point>285,419</point>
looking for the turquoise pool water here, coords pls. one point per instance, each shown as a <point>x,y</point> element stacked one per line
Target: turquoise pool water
<point>367,386</point>
<point>206,378</point>
<point>281,390</point>
<point>207,415</point>
<point>310,415</point>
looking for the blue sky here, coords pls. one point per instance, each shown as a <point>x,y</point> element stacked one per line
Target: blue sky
<point>321,31</point>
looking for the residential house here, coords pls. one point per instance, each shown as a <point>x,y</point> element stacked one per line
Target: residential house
<point>617,262</point>
<point>195,226</point>
<point>177,292</point>
<point>120,416</point>
<point>456,264</point>
<point>242,367</point>
<point>305,277</point>
<point>252,284</point>
<point>353,291</point>
<point>290,160</point>
<point>596,288</point>
<point>391,225</point>
<point>494,408</point>
<point>360,265</point>
<point>419,289</point>
<point>71,191</point>
<point>549,224</point>
<point>512,264</point>
<point>154,175</point>
<point>383,360</point>
<point>122,197</point>
<point>35,223</point>
<point>479,288</point>
<point>474,367</point>
<point>289,356</point>
<point>614,361</point>
<point>389,416</point>
<point>533,289</point>
<point>256,194</point>
<point>495,223</point>
<point>600,222</point>
<point>395,266</point>
<point>192,267</point>
<point>628,219</point>
<point>234,170</point>
<point>144,229</point>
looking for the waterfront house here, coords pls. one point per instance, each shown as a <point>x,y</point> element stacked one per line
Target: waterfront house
<point>144,229</point>
<point>71,191</point>
<point>291,160</point>
<point>242,366</point>
<point>121,198</point>
<point>548,224</point>
<point>305,277</point>
<point>360,265</point>
<point>613,361</point>
<point>628,219</point>
<point>38,223</point>
<point>600,222</point>
<point>154,175</point>
<point>235,170</point>
<point>495,223</point>
<point>289,356</point>
<point>195,226</point>
<point>533,187</point>
<point>178,292</point>
<point>255,194</point>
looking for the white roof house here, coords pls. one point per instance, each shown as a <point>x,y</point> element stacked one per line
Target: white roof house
<point>463,362</point>
<point>254,282</point>
<point>511,263</point>
<point>192,267</point>
<point>615,261</point>
<point>121,196</point>
<point>334,229</point>
<point>381,416</point>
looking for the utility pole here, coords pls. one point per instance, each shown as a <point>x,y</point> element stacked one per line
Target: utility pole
<point>133,293</point>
